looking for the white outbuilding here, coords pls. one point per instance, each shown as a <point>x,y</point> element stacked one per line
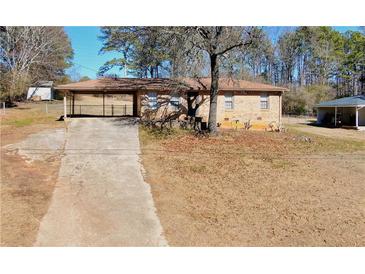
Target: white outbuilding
<point>42,90</point>
<point>343,112</point>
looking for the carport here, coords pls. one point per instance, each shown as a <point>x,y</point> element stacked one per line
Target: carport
<point>344,112</point>
<point>138,88</point>
<point>100,90</point>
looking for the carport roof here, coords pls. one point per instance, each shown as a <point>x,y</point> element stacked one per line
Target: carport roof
<point>354,101</point>
<point>165,84</point>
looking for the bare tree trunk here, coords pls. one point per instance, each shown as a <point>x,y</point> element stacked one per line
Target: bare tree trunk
<point>214,66</point>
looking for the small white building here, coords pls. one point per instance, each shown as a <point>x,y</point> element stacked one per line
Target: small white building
<point>42,90</point>
<point>343,112</point>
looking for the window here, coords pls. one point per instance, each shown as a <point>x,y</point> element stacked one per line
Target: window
<point>228,100</point>
<point>175,102</point>
<point>152,100</point>
<point>264,101</point>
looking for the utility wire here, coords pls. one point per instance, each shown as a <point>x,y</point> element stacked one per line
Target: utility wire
<point>85,67</point>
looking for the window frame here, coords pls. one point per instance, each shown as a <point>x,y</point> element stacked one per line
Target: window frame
<point>230,101</point>
<point>175,104</point>
<point>152,100</point>
<point>266,101</point>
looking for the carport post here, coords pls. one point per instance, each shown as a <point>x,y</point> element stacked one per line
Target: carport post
<point>64,106</point>
<point>103,103</point>
<point>73,103</point>
<point>357,117</point>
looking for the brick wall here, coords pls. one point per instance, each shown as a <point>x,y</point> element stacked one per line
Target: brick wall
<point>246,106</point>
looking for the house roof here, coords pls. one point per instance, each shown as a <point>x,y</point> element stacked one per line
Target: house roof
<point>164,84</point>
<point>354,101</point>
<point>230,84</point>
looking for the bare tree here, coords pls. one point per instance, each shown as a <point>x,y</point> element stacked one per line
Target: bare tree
<point>29,53</point>
<point>217,42</point>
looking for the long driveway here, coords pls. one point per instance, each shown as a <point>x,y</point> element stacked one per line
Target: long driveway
<point>101,198</point>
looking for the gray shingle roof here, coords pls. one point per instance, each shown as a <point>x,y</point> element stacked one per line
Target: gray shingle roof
<point>358,100</point>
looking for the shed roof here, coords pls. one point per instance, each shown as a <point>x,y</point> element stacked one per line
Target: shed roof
<point>43,84</point>
<point>353,101</point>
<point>164,84</point>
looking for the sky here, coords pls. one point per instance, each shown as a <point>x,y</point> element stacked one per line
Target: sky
<point>86,46</point>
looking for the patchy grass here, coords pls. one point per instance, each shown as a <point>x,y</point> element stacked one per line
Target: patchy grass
<point>28,121</point>
<point>26,192</point>
<point>26,116</point>
<point>147,134</point>
<point>327,144</point>
<point>253,188</point>
<point>26,188</point>
<point>330,133</point>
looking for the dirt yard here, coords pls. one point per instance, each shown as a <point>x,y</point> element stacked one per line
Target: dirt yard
<point>26,187</point>
<point>247,188</point>
<point>253,188</point>
<point>339,133</point>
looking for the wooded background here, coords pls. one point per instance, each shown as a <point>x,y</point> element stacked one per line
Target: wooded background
<point>315,63</point>
<point>30,54</point>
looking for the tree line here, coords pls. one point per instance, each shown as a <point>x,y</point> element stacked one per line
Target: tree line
<point>316,63</point>
<point>30,54</point>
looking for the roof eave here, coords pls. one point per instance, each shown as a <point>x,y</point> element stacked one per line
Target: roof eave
<point>340,106</point>
<point>163,89</point>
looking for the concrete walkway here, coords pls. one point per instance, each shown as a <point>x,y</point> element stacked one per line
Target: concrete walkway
<point>101,198</point>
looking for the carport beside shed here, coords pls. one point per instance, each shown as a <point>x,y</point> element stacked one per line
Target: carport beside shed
<point>343,112</point>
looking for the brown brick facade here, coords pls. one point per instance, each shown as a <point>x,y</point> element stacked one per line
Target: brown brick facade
<point>246,107</point>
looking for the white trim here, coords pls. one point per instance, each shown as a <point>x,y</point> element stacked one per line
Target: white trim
<point>341,106</point>
<point>152,99</point>
<point>228,98</point>
<point>64,107</point>
<point>178,97</point>
<point>265,96</point>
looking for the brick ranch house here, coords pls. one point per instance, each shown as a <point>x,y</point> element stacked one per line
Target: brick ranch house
<point>239,101</point>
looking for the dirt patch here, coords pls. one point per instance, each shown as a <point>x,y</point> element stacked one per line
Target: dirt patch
<point>337,133</point>
<point>26,186</point>
<point>257,189</point>
<point>26,191</point>
<point>24,120</point>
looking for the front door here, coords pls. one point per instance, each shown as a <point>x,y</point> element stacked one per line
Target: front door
<point>192,105</point>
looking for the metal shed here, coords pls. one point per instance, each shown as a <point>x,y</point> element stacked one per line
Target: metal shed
<point>344,112</point>
<point>42,89</point>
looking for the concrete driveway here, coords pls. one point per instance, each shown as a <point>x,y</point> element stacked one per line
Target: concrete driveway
<point>101,198</point>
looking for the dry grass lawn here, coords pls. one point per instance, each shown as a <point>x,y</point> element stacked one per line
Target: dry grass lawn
<point>244,188</point>
<point>26,188</point>
<point>253,188</point>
